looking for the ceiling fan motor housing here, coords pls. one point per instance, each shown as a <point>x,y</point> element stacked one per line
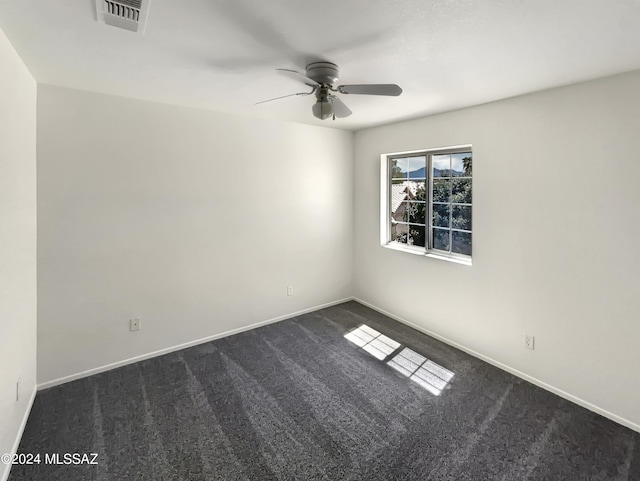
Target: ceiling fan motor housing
<point>325,73</point>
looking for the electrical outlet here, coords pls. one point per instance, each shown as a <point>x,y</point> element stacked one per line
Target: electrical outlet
<point>290,290</point>
<point>134,324</point>
<point>529,341</point>
<point>18,390</point>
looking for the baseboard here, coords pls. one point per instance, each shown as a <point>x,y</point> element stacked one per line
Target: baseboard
<point>167,350</point>
<point>504,367</point>
<point>498,364</point>
<point>14,449</point>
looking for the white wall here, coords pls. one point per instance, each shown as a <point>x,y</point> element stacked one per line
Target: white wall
<point>17,244</point>
<point>195,221</point>
<point>556,238</point>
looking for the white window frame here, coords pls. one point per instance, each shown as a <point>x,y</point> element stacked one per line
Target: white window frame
<point>385,204</point>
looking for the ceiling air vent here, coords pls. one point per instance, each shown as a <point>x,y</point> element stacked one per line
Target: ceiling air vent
<point>127,14</point>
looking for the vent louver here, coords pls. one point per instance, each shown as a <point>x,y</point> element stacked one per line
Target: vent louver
<point>128,14</point>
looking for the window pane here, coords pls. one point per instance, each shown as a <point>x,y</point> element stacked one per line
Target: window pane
<point>399,233</point>
<point>441,215</point>
<point>400,213</point>
<point>441,165</point>
<point>441,190</point>
<point>416,212</point>
<point>396,170</point>
<point>462,243</point>
<point>417,235</point>
<point>398,196</point>
<point>461,217</point>
<point>418,190</point>
<point>408,167</point>
<point>415,163</point>
<point>461,164</point>
<point>416,167</point>
<point>441,239</point>
<point>461,191</point>
<point>402,189</point>
<point>413,190</point>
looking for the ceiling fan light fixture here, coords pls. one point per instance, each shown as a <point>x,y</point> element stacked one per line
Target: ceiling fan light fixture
<point>321,77</point>
<point>322,109</point>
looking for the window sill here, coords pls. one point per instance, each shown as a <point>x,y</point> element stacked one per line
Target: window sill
<point>419,251</point>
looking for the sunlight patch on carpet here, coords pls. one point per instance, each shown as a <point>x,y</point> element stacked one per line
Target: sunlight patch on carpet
<point>424,372</point>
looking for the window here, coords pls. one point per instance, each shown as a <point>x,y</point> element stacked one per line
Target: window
<point>427,202</point>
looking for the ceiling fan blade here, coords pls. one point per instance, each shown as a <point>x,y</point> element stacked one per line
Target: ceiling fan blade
<point>339,108</point>
<point>300,77</point>
<point>371,89</point>
<point>283,97</point>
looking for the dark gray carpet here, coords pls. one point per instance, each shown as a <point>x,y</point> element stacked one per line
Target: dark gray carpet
<point>297,401</point>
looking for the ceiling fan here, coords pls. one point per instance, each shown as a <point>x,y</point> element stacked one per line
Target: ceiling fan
<point>321,77</point>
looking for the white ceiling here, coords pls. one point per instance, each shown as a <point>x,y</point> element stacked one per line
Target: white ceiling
<point>221,54</point>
